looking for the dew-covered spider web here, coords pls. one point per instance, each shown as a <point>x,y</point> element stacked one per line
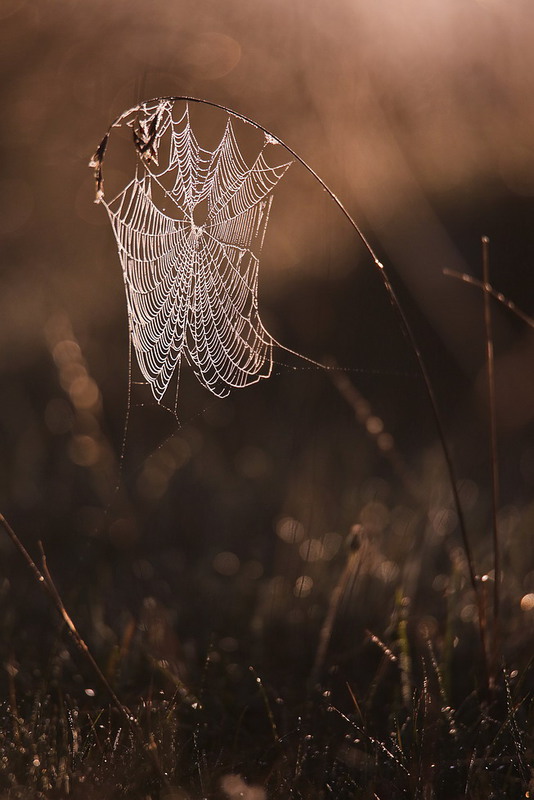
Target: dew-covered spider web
<point>189,202</point>
<point>190,226</point>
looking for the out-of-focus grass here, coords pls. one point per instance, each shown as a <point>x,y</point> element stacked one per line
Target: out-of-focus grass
<point>214,650</point>
<point>403,715</point>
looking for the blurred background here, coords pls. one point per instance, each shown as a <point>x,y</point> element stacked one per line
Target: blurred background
<point>420,117</point>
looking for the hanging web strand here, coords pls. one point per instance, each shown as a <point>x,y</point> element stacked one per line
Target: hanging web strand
<point>191,283</point>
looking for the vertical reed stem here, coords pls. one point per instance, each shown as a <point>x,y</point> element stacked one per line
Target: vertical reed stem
<point>490,367</point>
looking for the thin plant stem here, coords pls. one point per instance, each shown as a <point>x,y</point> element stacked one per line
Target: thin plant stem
<point>44,578</point>
<point>363,413</point>
<point>268,708</point>
<point>490,366</point>
<point>488,288</point>
<point>50,586</point>
<point>350,569</point>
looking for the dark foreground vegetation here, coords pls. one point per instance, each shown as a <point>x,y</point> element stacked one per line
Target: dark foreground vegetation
<point>405,711</point>
<point>362,664</point>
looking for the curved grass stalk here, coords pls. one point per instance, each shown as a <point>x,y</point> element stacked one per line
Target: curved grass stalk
<point>96,163</point>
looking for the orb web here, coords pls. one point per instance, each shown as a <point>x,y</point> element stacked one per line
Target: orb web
<point>191,284</point>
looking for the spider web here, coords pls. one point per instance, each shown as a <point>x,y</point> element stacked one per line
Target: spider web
<point>191,287</point>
